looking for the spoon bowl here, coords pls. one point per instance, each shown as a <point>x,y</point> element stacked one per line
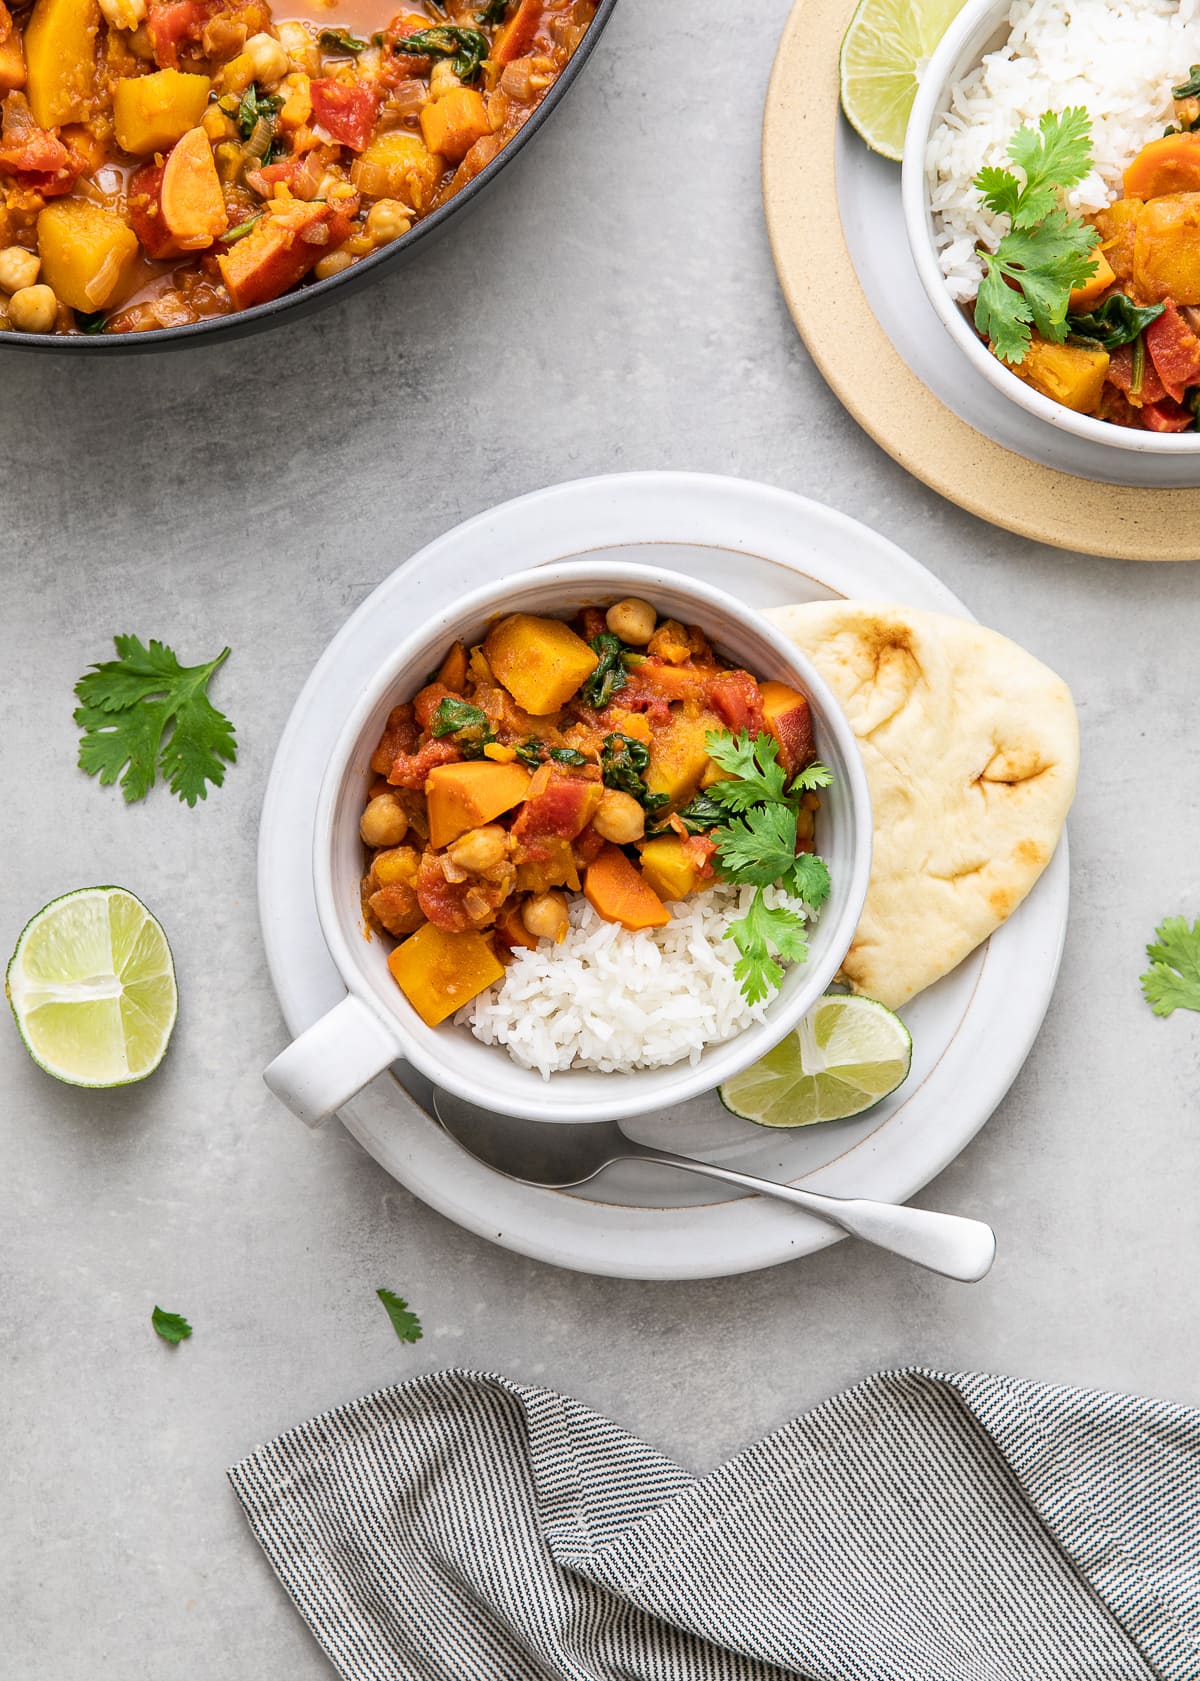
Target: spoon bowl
<point>563,1156</point>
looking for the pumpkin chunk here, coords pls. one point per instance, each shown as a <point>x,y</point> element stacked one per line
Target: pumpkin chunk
<point>470,793</point>
<point>438,972</point>
<point>541,662</point>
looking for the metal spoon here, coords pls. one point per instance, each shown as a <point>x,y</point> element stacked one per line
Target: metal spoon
<point>562,1156</point>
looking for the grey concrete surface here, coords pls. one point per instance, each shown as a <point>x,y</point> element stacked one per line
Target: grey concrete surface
<point>611,305</point>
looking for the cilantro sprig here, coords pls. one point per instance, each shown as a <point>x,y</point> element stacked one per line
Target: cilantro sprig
<point>1172,982</point>
<point>144,712</point>
<point>756,846</point>
<point>1045,254</point>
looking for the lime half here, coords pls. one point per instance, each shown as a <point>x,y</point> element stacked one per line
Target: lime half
<point>883,53</point>
<point>845,1055</point>
<point>92,986</point>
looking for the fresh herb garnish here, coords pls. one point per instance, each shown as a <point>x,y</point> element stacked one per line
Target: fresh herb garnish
<point>1118,321</point>
<point>341,40</point>
<point>1172,982</point>
<point>623,763</point>
<point>404,1322</point>
<point>465,48</point>
<point>171,1327</point>
<point>598,689</point>
<point>756,846</point>
<point>1046,253</point>
<point>129,703</point>
<point>91,323</point>
<point>254,107</point>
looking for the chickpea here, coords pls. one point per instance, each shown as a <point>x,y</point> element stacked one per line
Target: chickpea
<point>34,309</point>
<point>18,268</point>
<point>545,916</point>
<point>442,78</point>
<point>300,47</point>
<point>387,219</point>
<point>383,823</point>
<point>268,58</point>
<point>620,818</point>
<point>334,263</point>
<point>480,849</point>
<point>633,620</point>
<point>123,14</point>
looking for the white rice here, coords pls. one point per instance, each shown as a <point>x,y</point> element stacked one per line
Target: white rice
<point>614,1001</point>
<point>1119,58</point>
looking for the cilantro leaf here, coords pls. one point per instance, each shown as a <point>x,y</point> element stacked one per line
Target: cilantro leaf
<point>808,878</point>
<point>811,778</point>
<point>754,766</point>
<point>171,1327</point>
<point>1046,254</point>
<point>127,707</point>
<point>760,846</point>
<point>404,1322</point>
<point>764,930</point>
<point>1172,982</point>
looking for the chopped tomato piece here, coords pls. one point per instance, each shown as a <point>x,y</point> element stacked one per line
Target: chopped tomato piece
<point>736,698</point>
<point>1176,352</point>
<point>409,770</point>
<point>36,156</point>
<point>1120,374</point>
<point>345,110</point>
<point>1167,416</point>
<point>396,66</point>
<point>176,24</point>
<point>561,808</point>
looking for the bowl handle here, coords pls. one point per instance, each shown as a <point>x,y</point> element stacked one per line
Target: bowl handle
<point>331,1060</point>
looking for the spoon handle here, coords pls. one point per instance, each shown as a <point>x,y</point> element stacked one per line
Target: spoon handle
<point>945,1243</point>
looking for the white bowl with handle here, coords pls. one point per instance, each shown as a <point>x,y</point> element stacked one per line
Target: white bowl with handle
<point>375,1025</point>
<point>979,28</point>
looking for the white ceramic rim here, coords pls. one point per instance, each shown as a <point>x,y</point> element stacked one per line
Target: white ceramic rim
<point>589,1095</point>
<point>979,19</point>
<point>994,1036</point>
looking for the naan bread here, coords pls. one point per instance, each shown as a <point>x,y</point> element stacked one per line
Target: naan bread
<point>971,749</point>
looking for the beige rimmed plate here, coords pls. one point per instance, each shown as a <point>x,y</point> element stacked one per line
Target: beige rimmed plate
<point>821,191</point>
<point>971,1032</point>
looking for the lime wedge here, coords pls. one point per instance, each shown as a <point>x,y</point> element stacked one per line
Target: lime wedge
<point>845,1055</point>
<point>92,986</point>
<point>883,53</point>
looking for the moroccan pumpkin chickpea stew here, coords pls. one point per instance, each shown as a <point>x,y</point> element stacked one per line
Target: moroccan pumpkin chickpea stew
<point>561,788</point>
<point>166,161</point>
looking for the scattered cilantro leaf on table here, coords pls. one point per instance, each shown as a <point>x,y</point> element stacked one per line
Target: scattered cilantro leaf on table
<point>1045,254</point>
<point>171,1327</point>
<point>1172,982</point>
<point>144,712</point>
<point>404,1322</point>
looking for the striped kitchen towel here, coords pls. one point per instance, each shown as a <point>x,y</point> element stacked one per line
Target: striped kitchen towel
<point>920,1527</point>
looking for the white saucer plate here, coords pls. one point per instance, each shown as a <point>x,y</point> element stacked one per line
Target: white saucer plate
<point>971,1032</point>
<point>868,188</point>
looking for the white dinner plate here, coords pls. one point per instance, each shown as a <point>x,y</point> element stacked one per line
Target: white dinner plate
<point>971,1032</point>
<point>868,189</point>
